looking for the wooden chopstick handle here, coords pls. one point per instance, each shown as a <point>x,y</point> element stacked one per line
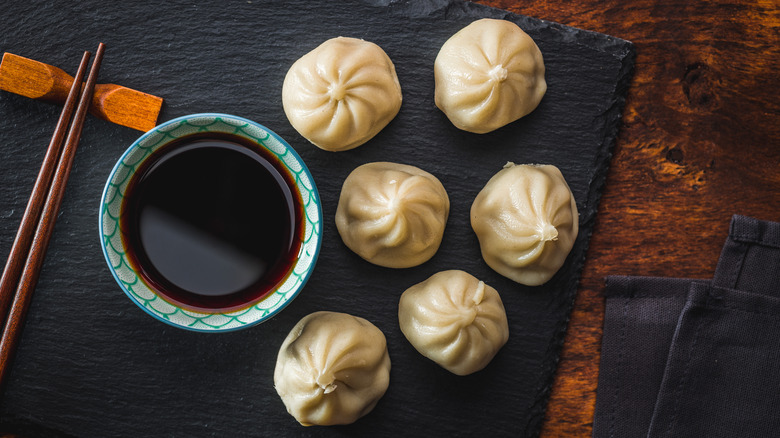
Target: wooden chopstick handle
<point>32,212</point>
<point>21,302</point>
<point>114,103</point>
<point>42,81</point>
<point>125,106</point>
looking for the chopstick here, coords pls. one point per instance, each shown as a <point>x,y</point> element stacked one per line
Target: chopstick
<point>31,246</point>
<point>24,235</point>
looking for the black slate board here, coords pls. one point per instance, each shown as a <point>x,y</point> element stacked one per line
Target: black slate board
<point>93,364</point>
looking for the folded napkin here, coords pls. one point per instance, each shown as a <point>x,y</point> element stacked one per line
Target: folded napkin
<point>690,358</point>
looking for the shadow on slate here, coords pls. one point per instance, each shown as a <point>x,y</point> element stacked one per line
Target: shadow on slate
<point>92,364</point>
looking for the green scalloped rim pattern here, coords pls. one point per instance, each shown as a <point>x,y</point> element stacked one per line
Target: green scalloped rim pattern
<point>148,299</point>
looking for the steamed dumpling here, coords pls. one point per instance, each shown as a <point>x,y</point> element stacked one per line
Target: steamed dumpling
<point>332,369</point>
<point>455,320</point>
<point>391,214</point>
<point>487,75</point>
<point>526,220</point>
<point>342,93</point>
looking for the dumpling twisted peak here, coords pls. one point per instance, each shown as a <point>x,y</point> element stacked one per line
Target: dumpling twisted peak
<point>391,214</point>
<point>455,320</point>
<point>488,74</point>
<point>342,93</point>
<point>332,369</point>
<point>526,220</point>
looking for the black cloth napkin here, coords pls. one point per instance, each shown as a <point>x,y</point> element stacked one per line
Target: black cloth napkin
<point>690,358</point>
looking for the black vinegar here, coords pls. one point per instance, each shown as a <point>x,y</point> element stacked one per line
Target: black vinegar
<point>212,222</point>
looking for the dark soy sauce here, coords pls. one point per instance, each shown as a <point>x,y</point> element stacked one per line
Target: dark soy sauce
<point>212,222</point>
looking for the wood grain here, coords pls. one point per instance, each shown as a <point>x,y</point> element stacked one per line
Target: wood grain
<point>115,103</point>
<point>698,144</point>
<point>14,324</point>
<point>28,226</point>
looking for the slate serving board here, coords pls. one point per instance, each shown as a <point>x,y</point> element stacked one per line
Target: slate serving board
<point>93,364</point>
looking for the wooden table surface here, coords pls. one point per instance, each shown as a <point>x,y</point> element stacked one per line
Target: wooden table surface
<point>699,143</point>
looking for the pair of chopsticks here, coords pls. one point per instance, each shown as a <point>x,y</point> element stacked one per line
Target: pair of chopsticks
<point>29,248</point>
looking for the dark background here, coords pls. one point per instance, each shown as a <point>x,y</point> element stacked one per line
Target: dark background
<point>92,364</point>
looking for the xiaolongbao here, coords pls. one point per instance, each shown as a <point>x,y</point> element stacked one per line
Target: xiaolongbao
<point>455,320</point>
<point>487,75</point>
<point>342,93</point>
<point>526,220</point>
<point>391,214</point>
<point>332,369</point>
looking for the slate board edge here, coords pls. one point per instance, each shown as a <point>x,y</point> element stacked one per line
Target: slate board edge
<point>594,196</point>
<point>463,7</point>
<point>626,52</point>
